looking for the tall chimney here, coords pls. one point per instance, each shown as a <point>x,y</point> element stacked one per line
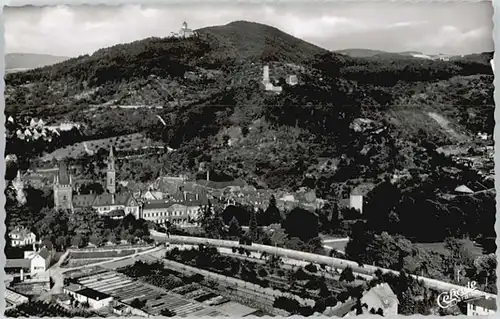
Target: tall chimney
<point>22,274</point>
<point>208,175</point>
<point>185,195</point>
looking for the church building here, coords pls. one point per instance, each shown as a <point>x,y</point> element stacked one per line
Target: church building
<point>106,203</point>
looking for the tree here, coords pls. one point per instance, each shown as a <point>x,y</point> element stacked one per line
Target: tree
<point>77,241</point>
<point>253,227</point>
<point>234,228</point>
<point>302,224</point>
<point>271,215</point>
<point>347,275</point>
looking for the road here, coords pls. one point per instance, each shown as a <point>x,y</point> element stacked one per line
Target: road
<point>319,259</point>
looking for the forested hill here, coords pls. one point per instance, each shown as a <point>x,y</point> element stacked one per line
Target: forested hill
<point>254,42</point>
<point>209,86</point>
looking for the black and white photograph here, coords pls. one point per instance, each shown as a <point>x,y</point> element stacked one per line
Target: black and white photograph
<point>234,160</point>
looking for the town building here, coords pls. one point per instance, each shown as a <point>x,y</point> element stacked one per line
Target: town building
<point>292,80</point>
<point>39,260</point>
<point>21,236</point>
<point>63,188</point>
<point>481,307</point>
<point>95,299</point>
<point>178,211</point>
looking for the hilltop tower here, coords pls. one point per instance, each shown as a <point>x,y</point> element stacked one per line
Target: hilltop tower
<point>111,173</point>
<point>63,190</point>
<point>265,75</point>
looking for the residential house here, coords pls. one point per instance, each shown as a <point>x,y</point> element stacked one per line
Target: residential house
<point>21,236</point>
<point>481,307</point>
<point>106,203</point>
<point>292,80</point>
<point>95,299</point>
<point>39,260</point>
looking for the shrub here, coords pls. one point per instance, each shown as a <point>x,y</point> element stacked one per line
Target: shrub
<point>311,268</point>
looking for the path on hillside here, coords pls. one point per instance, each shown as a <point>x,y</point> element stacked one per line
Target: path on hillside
<point>445,125</point>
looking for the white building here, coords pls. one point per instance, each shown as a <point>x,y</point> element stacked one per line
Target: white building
<point>21,236</point>
<point>356,202</point>
<point>267,82</point>
<point>481,307</point>
<point>39,260</point>
<point>292,80</point>
<point>185,32</point>
<point>94,298</point>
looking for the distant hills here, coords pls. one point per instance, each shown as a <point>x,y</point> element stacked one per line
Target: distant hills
<point>15,62</point>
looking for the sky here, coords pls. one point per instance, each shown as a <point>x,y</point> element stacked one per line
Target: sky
<point>446,27</point>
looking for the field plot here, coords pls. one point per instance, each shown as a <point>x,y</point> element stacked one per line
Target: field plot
<point>83,262</point>
<point>125,142</point>
<point>125,289</point>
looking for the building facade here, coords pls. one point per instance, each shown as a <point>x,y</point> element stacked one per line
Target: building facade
<point>95,299</point>
<point>63,188</point>
<point>481,307</point>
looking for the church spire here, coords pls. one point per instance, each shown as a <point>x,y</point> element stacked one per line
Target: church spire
<point>111,174</point>
<point>111,160</point>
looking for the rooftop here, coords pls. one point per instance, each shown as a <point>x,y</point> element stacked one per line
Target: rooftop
<point>93,294</point>
<point>486,303</point>
<point>17,263</point>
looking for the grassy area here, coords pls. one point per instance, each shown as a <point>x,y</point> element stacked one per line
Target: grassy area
<point>439,247</point>
<point>131,141</point>
<point>83,262</point>
<point>101,254</point>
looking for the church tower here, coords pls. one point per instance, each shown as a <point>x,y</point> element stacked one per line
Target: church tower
<point>111,174</point>
<point>63,190</point>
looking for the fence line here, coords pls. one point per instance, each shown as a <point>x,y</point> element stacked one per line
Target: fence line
<point>266,293</point>
<point>325,260</point>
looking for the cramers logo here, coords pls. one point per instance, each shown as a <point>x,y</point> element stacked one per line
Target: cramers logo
<point>450,298</point>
